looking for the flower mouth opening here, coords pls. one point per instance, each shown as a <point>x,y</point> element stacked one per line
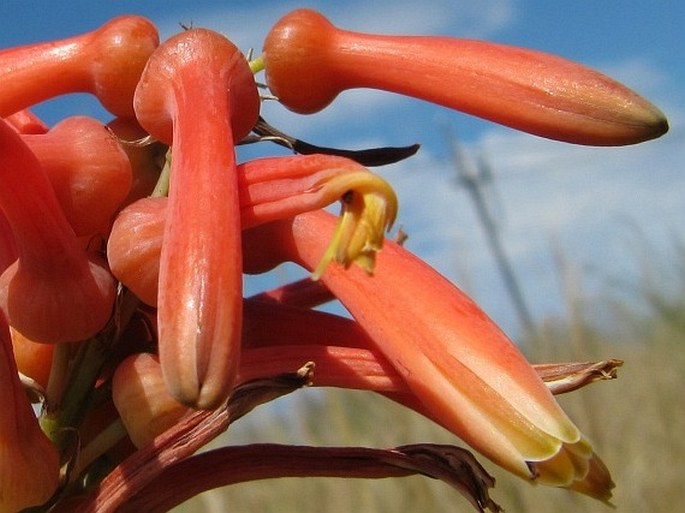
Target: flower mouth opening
<point>368,210</point>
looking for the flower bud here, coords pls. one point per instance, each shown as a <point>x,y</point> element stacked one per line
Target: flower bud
<point>29,462</point>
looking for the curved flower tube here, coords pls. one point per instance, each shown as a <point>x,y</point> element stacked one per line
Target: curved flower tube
<point>455,360</point>
<point>269,189</point>
<point>29,462</point>
<point>54,291</point>
<point>308,62</point>
<point>198,95</point>
<point>88,169</point>
<point>106,62</point>
<point>350,357</point>
<point>8,247</point>
<point>33,360</point>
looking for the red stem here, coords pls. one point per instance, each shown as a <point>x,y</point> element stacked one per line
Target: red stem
<point>232,465</point>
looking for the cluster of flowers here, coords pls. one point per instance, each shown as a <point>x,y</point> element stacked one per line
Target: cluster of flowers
<point>123,249</point>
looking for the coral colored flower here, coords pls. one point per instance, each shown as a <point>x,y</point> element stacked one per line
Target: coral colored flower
<point>55,291</point>
<point>197,94</point>
<point>467,374</point>
<point>308,61</point>
<point>106,62</point>
<point>269,189</point>
<point>29,462</point>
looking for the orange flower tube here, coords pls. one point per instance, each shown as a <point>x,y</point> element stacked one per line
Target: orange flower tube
<point>88,170</point>
<point>55,291</point>
<point>269,189</point>
<point>26,122</point>
<point>467,374</point>
<point>106,62</point>
<point>308,62</point>
<point>29,462</point>
<point>198,95</point>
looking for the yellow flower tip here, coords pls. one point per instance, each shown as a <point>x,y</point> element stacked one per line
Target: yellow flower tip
<point>576,467</point>
<point>369,208</point>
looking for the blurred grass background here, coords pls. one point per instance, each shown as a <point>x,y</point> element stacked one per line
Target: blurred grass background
<point>636,423</point>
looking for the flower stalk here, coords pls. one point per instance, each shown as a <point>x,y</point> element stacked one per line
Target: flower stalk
<point>29,462</point>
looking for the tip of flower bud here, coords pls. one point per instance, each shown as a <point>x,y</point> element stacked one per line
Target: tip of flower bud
<point>632,121</point>
<point>655,125</point>
<point>596,110</point>
<point>369,209</point>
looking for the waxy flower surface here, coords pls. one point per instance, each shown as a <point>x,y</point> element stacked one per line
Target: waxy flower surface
<point>124,244</point>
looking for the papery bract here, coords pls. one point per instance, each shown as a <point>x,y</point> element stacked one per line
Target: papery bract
<point>145,155</point>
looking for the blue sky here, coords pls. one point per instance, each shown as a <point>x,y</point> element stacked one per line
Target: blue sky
<point>605,210</point>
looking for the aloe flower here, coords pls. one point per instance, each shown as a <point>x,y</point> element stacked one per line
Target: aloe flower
<point>463,369</point>
<point>29,462</point>
<point>54,291</point>
<point>198,95</point>
<point>309,61</point>
<point>171,353</point>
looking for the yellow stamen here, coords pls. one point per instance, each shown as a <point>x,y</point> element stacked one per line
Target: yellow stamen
<point>369,208</point>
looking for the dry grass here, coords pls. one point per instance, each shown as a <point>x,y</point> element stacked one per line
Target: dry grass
<point>636,424</point>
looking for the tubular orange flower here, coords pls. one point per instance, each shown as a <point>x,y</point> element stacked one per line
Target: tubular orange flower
<point>26,122</point>
<point>456,361</point>
<point>54,291</point>
<point>106,62</point>
<point>269,189</point>
<point>143,402</point>
<point>29,462</point>
<point>88,170</point>
<point>8,247</point>
<point>197,94</point>
<point>33,360</point>
<point>308,61</point>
